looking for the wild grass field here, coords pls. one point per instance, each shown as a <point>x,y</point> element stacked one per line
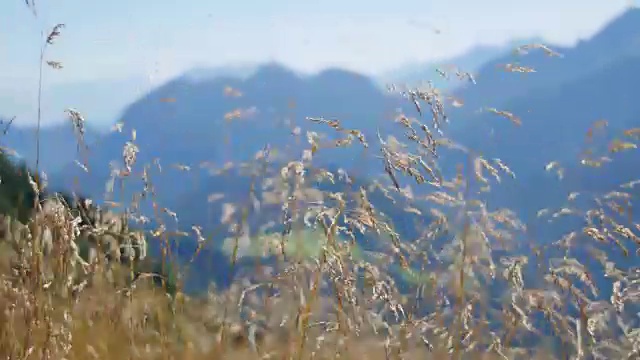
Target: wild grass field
<point>325,274</point>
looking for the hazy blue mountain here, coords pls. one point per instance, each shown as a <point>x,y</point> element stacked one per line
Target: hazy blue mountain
<point>100,101</point>
<point>414,74</point>
<point>556,105</point>
<point>184,122</point>
<point>58,144</point>
<point>495,86</point>
<point>555,120</point>
<point>556,113</point>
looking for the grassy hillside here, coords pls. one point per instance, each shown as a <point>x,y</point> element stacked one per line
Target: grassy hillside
<point>422,258</point>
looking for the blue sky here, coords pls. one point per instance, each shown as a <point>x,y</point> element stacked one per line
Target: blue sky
<point>158,39</point>
<point>119,38</point>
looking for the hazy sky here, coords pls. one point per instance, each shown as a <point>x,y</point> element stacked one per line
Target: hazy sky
<point>119,38</point>
<point>132,45</point>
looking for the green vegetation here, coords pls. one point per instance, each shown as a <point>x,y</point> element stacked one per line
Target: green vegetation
<point>16,193</point>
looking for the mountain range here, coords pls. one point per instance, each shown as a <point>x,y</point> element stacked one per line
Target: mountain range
<point>556,105</point>
<point>618,39</point>
<point>190,122</point>
<point>414,74</point>
<point>220,119</point>
<point>59,144</point>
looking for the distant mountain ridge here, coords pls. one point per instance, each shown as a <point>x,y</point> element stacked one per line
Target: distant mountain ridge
<point>228,119</point>
<point>414,74</point>
<point>100,101</point>
<point>58,144</point>
<point>591,81</point>
<point>184,121</point>
<point>620,38</point>
<point>557,105</point>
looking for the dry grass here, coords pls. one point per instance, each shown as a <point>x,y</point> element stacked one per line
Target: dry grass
<point>335,304</point>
